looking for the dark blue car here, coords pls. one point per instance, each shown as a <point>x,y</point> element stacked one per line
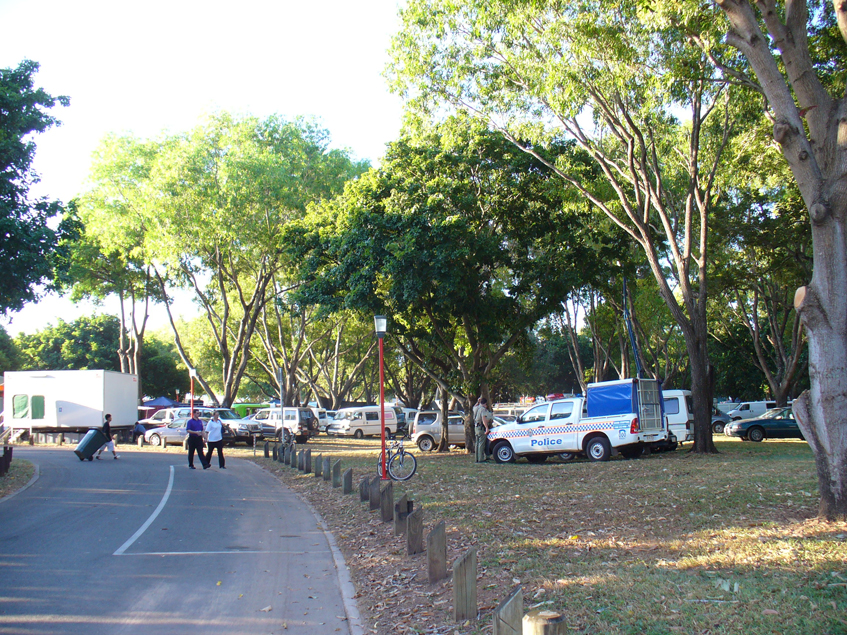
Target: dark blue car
<point>776,423</point>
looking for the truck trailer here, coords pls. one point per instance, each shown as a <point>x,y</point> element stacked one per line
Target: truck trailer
<point>69,401</point>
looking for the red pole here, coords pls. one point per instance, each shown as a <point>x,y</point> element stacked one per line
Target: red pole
<point>382,407</point>
<point>192,396</point>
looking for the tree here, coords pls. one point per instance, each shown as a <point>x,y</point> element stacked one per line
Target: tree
<point>10,356</point>
<point>89,343</point>
<point>464,240</point>
<point>808,108</point>
<point>27,240</point>
<point>616,84</point>
<point>207,209</point>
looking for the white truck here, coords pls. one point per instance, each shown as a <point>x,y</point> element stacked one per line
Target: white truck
<point>69,400</point>
<point>622,416</point>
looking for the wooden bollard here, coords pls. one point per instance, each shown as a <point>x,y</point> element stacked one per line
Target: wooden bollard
<point>544,622</point>
<point>327,469</point>
<point>402,509</point>
<point>336,474</point>
<point>364,490</point>
<point>386,502</point>
<point>274,455</point>
<point>436,553</point>
<point>268,450</point>
<point>307,462</point>
<point>347,481</point>
<point>140,440</point>
<point>374,494</point>
<point>464,587</point>
<point>414,532</point>
<point>318,465</point>
<point>62,438</point>
<point>509,613</point>
<point>286,454</point>
<point>301,460</point>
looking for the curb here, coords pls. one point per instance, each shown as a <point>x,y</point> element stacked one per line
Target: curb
<point>27,486</point>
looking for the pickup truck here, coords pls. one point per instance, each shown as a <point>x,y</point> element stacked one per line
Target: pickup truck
<point>622,417</point>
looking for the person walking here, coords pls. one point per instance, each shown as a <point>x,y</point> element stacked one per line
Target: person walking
<point>215,440</point>
<point>482,419</point>
<point>110,444</point>
<point>195,441</point>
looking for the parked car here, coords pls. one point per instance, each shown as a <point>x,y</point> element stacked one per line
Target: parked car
<point>777,423</point>
<point>322,417</point>
<point>719,420</point>
<point>362,420</point>
<point>679,412</point>
<point>235,429</point>
<point>173,433</point>
<point>281,423</point>
<point>750,409</point>
<point>426,430</point>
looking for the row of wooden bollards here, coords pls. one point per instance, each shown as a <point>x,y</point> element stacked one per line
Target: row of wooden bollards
<point>6,460</point>
<point>408,521</point>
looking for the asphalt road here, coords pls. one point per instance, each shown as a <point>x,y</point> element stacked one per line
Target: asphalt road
<point>145,545</point>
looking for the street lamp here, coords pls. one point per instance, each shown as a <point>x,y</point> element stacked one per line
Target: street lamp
<point>380,323</point>
<point>192,372</point>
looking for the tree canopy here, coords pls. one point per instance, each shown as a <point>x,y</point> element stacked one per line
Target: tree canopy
<point>27,241</point>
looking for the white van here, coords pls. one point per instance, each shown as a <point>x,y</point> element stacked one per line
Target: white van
<point>361,421</point>
<point>750,409</point>
<point>679,412</point>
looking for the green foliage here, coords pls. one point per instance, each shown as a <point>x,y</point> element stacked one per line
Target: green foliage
<point>10,357</point>
<point>85,344</point>
<point>27,240</point>
<point>460,237</point>
<point>162,371</point>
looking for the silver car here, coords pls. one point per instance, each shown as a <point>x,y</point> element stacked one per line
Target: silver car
<point>172,434</point>
<point>426,430</point>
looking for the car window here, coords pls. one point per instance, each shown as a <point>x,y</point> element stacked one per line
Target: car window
<point>539,413</point>
<point>372,416</point>
<point>159,416</point>
<point>455,421</point>
<point>672,406</point>
<point>227,414</point>
<point>177,424</point>
<point>427,418</point>
<point>774,413</point>
<point>561,410</point>
<point>289,415</point>
<point>261,415</point>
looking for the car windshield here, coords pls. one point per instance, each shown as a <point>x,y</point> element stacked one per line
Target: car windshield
<point>227,414</point>
<point>340,415</point>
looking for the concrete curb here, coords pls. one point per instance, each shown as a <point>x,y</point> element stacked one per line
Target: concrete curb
<point>27,486</point>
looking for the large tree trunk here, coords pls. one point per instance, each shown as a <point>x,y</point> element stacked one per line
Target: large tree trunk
<point>815,151</point>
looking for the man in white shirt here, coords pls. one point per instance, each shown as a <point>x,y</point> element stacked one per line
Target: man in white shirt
<point>215,439</point>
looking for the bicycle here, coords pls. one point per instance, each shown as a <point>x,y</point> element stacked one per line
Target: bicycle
<point>401,465</point>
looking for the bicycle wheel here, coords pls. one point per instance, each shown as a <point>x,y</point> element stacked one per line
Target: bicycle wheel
<point>402,466</point>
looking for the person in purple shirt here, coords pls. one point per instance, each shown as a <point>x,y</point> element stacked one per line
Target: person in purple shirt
<point>195,441</point>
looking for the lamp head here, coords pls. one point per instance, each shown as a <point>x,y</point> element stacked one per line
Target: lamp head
<point>380,325</point>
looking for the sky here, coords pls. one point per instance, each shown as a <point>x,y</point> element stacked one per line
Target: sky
<point>154,66</point>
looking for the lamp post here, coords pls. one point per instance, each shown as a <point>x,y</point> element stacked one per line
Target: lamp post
<point>192,372</point>
<point>379,324</point>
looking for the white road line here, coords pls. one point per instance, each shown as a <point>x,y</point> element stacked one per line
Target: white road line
<point>150,520</point>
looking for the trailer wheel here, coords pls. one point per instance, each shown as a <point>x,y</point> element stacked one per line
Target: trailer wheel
<point>598,449</point>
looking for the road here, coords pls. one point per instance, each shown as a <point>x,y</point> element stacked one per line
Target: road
<point>145,545</point>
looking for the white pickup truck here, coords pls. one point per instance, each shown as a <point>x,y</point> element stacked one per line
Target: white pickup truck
<point>621,416</point>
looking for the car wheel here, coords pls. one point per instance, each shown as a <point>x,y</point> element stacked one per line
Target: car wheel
<point>426,444</point>
<point>672,447</point>
<point>632,452</point>
<point>248,441</point>
<point>756,434</point>
<point>717,427</point>
<point>536,458</point>
<point>504,453</point>
<point>598,449</point>
<point>358,433</point>
<point>155,439</point>
<point>566,456</point>
<point>303,438</point>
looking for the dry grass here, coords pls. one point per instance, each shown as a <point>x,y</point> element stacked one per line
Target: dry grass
<point>18,475</point>
<point>670,543</point>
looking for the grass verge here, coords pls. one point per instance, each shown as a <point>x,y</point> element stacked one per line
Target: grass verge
<point>19,474</point>
<point>670,543</point>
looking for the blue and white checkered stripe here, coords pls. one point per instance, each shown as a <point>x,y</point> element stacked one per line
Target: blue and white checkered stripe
<point>523,432</point>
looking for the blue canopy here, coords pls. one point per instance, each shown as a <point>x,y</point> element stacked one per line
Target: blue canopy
<point>162,402</point>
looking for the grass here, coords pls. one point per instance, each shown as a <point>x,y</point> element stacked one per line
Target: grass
<point>19,474</point>
<point>670,543</point>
